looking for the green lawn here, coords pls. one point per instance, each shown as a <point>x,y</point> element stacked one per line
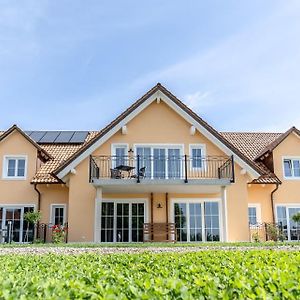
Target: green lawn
<point>255,274</point>
<point>155,245</point>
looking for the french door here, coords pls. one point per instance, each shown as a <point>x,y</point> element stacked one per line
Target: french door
<point>285,219</point>
<point>161,162</point>
<point>122,221</point>
<point>197,221</point>
<point>13,218</point>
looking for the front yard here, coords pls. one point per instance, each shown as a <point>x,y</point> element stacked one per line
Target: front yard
<point>215,274</point>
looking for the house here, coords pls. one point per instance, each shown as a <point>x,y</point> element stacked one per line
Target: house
<point>157,164</point>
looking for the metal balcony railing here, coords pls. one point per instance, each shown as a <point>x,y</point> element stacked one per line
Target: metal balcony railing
<point>161,168</point>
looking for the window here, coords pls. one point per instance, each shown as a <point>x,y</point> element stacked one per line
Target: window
<point>284,219</point>
<point>120,153</point>
<point>291,168</point>
<point>122,220</point>
<point>58,214</point>
<point>197,220</point>
<point>197,153</point>
<point>252,215</point>
<point>14,167</point>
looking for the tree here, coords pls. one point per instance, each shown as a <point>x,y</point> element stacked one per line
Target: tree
<point>296,219</point>
<point>31,217</point>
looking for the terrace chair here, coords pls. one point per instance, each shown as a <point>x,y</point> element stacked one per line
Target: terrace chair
<point>115,174</point>
<point>142,173</point>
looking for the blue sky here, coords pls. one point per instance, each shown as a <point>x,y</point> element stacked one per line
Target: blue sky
<point>78,64</point>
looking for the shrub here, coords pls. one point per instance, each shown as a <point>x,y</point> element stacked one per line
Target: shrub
<point>58,233</point>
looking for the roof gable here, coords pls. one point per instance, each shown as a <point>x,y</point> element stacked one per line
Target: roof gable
<point>162,94</point>
<point>44,155</point>
<point>269,148</point>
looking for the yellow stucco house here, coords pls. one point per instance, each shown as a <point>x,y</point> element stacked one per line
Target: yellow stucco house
<point>156,172</point>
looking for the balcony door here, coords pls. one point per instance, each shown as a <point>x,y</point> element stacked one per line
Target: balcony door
<point>161,162</point>
<point>122,221</point>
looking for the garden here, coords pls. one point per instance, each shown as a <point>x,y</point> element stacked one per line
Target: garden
<point>215,274</point>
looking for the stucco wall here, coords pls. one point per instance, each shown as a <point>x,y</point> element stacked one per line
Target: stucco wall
<point>18,191</point>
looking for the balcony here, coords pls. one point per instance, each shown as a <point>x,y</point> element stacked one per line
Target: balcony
<point>151,170</point>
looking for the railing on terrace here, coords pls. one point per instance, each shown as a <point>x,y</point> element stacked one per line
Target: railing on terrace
<point>168,167</point>
<point>38,233</point>
<point>263,232</point>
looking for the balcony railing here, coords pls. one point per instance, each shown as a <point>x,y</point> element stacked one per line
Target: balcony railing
<point>161,168</point>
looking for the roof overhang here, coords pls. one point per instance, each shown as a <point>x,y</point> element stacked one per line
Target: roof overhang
<point>158,94</point>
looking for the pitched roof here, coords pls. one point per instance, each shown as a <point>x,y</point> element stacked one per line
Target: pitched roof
<point>180,104</point>
<point>42,153</point>
<point>60,153</point>
<point>252,143</point>
<point>271,146</point>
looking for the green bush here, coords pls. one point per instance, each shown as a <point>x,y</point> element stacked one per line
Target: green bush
<point>255,274</point>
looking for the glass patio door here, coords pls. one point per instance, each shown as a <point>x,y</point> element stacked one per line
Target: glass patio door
<point>174,170</point>
<point>14,216</point>
<point>284,218</point>
<point>197,221</point>
<point>122,221</point>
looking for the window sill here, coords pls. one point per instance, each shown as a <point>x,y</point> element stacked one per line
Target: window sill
<point>14,178</point>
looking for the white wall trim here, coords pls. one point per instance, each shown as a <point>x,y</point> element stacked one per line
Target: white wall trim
<point>134,113</point>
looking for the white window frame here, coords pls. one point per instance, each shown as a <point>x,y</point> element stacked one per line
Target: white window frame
<point>114,146</point>
<point>257,206</point>
<point>52,209</point>
<point>125,201</point>
<point>286,206</point>
<point>161,146</point>
<point>283,171</point>
<point>202,201</point>
<point>203,154</point>
<point>5,167</point>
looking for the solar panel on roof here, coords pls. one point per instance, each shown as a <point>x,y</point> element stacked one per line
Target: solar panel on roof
<point>37,135</point>
<point>49,137</point>
<point>28,132</point>
<point>79,137</point>
<point>64,137</point>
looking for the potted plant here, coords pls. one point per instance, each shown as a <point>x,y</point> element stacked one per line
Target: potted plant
<point>296,219</point>
<point>31,217</point>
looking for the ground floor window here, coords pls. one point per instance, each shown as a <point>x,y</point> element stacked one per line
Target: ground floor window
<point>122,221</point>
<point>58,214</point>
<point>285,214</point>
<point>197,221</point>
<point>13,226</point>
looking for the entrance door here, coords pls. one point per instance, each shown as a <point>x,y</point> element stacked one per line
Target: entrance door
<point>122,221</point>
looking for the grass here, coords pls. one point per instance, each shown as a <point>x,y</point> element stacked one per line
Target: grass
<point>155,245</point>
<point>255,274</point>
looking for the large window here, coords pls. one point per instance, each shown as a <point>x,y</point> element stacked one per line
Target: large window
<point>120,151</point>
<point>197,220</point>
<point>14,167</point>
<point>13,226</point>
<point>161,162</point>
<point>285,214</point>
<point>122,221</point>
<point>291,168</point>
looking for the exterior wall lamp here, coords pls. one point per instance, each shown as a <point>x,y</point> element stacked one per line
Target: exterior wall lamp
<point>159,205</point>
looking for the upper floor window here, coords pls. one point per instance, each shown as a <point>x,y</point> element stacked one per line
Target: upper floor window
<point>291,168</point>
<point>14,167</point>
<point>197,153</point>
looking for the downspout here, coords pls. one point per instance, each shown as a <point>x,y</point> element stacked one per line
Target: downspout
<point>39,197</point>
<point>38,209</point>
<point>272,201</point>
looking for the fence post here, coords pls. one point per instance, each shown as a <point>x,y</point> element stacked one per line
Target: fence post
<point>266,231</point>
<point>185,168</point>
<point>45,233</point>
